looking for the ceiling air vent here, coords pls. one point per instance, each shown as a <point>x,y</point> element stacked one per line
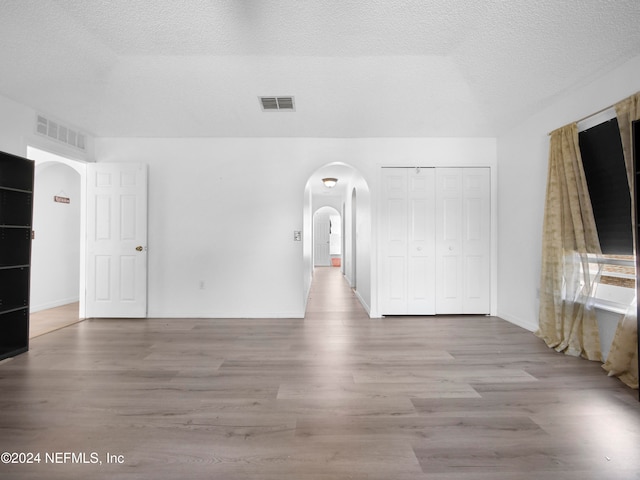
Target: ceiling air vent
<point>62,133</point>
<point>273,104</point>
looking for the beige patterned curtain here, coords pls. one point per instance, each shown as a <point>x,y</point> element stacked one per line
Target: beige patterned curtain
<point>622,360</point>
<point>567,319</point>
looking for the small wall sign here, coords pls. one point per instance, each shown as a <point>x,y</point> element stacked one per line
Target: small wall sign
<point>59,199</point>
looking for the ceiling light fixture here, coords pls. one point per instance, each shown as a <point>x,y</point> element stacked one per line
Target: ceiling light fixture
<point>329,182</point>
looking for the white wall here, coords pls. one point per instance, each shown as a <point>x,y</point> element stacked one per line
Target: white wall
<point>307,244</point>
<point>223,211</point>
<point>363,242</point>
<point>349,260</point>
<point>55,255</point>
<point>523,159</point>
<point>15,125</point>
<point>17,132</point>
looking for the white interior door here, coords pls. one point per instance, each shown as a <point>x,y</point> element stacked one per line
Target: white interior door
<point>116,240</point>
<point>321,240</point>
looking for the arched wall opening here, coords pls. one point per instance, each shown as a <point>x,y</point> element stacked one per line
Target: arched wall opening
<point>58,248</point>
<point>356,241</point>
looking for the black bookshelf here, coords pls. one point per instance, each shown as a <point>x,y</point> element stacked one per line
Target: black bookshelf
<point>16,214</point>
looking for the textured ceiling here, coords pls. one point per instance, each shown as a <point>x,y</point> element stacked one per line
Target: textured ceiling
<point>357,68</point>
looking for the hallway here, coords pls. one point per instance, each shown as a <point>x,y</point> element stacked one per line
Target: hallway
<point>334,396</point>
<point>330,295</point>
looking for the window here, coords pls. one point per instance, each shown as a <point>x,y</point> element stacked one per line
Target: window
<point>605,172</point>
<point>603,161</point>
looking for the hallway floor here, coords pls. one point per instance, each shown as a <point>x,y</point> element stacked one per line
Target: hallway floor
<point>334,396</point>
<point>51,319</point>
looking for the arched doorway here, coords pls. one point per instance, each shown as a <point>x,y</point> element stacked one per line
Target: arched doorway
<point>57,275</point>
<point>356,254</point>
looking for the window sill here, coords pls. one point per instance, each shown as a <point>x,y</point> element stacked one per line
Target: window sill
<point>608,306</point>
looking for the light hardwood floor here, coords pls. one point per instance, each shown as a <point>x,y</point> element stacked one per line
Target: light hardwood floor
<point>47,321</point>
<point>334,396</point>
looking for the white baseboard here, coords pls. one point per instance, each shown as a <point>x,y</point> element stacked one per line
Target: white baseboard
<point>348,279</point>
<point>364,304</point>
<point>308,292</point>
<point>520,322</point>
<point>223,315</point>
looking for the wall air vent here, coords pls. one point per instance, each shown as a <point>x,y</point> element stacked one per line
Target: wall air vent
<point>62,133</point>
<point>275,104</point>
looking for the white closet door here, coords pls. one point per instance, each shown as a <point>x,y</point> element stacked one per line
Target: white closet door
<point>435,239</point>
<point>449,263</point>
<point>463,229</point>
<point>393,225</point>
<point>421,242</point>
<point>408,221</point>
<point>476,229</point>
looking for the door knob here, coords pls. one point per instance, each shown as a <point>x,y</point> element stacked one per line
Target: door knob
<point>139,248</point>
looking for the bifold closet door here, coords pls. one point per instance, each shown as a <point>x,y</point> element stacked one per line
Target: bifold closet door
<point>463,229</point>
<point>408,241</point>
